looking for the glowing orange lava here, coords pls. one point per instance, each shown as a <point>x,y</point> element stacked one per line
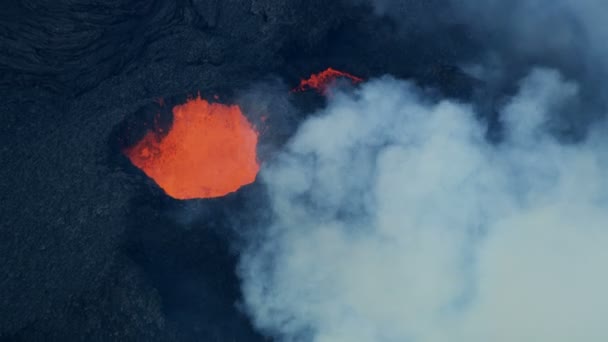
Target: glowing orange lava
<point>321,81</point>
<point>210,151</point>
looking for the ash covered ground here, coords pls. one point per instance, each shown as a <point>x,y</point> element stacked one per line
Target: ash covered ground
<point>91,249</point>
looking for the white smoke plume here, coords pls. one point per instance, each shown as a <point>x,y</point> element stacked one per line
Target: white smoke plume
<point>501,41</point>
<point>394,219</point>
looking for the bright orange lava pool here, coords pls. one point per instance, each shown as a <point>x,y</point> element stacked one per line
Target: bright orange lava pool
<point>210,151</point>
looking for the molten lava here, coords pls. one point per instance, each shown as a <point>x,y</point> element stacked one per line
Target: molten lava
<point>209,151</point>
<point>323,80</point>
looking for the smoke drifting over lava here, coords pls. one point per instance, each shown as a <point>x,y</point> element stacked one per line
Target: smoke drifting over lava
<point>400,214</point>
<point>209,151</point>
<point>445,181</point>
<point>396,220</point>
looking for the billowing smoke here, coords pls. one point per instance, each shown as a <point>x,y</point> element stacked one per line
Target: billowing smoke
<point>395,219</point>
<point>507,39</point>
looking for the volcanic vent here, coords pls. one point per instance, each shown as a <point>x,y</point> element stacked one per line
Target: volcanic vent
<point>322,81</point>
<point>209,151</point>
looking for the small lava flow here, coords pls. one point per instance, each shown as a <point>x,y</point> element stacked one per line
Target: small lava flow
<point>324,79</point>
<point>211,148</point>
<point>210,151</point>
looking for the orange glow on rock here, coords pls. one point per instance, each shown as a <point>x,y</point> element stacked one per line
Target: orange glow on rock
<point>209,151</point>
<point>321,81</point>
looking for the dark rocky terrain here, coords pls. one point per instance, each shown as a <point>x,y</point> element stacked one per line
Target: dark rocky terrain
<point>88,246</point>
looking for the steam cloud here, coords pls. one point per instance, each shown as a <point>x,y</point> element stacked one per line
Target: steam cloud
<point>394,219</point>
<point>506,39</point>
